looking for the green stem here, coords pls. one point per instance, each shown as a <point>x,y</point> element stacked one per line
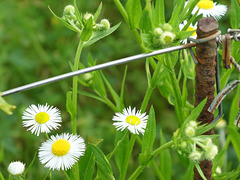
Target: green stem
<point>154,154</point>
<point>127,157</point>
<point>122,11</point>
<point>66,175</point>
<point>75,87</point>
<point>109,156</point>
<point>74,100</point>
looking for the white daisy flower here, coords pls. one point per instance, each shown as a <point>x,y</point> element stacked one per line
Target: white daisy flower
<point>209,8</point>
<point>134,121</point>
<point>41,118</point>
<point>190,28</point>
<point>61,152</point>
<point>16,168</point>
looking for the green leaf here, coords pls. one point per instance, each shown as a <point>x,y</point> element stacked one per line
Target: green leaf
<point>235,138</point>
<point>227,175</point>
<point>200,171</point>
<point>194,114</point>
<point>185,34</point>
<point>86,165</point>
<point>97,13</point>
<point>204,128</point>
<point>122,89</point>
<point>77,13</point>
<point>96,36</point>
<point>7,108</point>
<point>176,11</point>
<point>148,138</point>
<point>87,30</point>
<point>69,105</point>
<point>63,21</point>
<point>102,162</point>
<point>165,159</point>
<point>145,23</point>
<point>218,160</point>
<point>112,91</point>
<point>134,11</point>
<point>1,176</point>
<point>98,84</point>
<point>159,13</point>
<point>234,108</point>
<point>84,93</point>
<point>235,14</point>
<point>122,148</point>
<point>190,173</point>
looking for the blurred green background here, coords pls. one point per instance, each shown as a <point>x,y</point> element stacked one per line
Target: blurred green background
<point>34,46</point>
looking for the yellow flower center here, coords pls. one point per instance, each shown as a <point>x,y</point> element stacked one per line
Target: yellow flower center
<point>60,147</point>
<point>134,120</point>
<point>42,117</point>
<point>192,29</point>
<point>205,4</point>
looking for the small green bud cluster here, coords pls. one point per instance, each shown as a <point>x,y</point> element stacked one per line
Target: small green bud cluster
<point>163,35</point>
<point>196,148</point>
<point>78,24</point>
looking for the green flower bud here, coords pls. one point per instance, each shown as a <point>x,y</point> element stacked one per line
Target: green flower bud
<point>193,124</point>
<point>167,27</point>
<point>190,131</point>
<point>211,152</point>
<point>195,156</point>
<point>167,38</point>
<point>183,145</point>
<point>218,170</point>
<point>87,16</point>
<point>221,124</point>
<point>69,12</point>
<point>157,32</point>
<point>105,24</point>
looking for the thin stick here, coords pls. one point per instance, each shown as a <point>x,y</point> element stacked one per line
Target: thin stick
<point>94,68</point>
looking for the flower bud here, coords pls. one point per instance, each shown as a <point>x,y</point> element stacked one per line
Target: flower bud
<point>87,16</point>
<point>167,37</point>
<point>211,152</point>
<point>157,32</point>
<point>183,145</point>
<point>167,27</point>
<point>190,131</point>
<point>105,24</point>
<point>69,12</point>
<point>193,124</point>
<point>195,156</point>
<point>218,170</point>
<point>16,168</point>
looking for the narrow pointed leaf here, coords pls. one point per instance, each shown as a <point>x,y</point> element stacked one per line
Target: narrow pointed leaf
<point>102,162</point>
<point>87,30</point>
<point>97,13</point>
<point>62,21</point>
<point>165,159</point>
<point>134,10</point>
<point>86,165</point>
<point>96,36</point>
<point>159,13</point>
<point>235,138</point>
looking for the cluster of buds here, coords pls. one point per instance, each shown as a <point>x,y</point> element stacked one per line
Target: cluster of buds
<point>70,17</point>
<point>195,147</point>
<point>163,35</point>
